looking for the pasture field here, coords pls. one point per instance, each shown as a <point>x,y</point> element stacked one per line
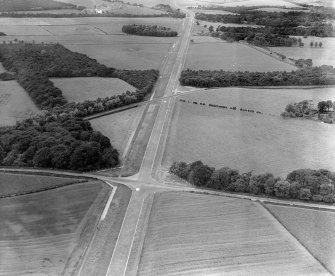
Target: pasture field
<point>267,100</point>
<point>15,104</point>
<point>47,233</point>
<point>119,127</point>
<point>230,57</point>
<point>248,141</point>
<point>280,10</point>
<point>98,37</point>
<point>317,233</point>
<point>251,3</point>
<point>11,183</point>
<point>81,89</point>
<point>192,234</point>
<point>320,56</point>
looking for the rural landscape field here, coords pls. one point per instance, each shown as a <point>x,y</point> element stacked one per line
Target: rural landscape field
<point>175,137</point>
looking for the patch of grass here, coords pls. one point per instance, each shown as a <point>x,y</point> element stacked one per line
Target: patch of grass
<point>199,234</point>
<point>231,57</point>
<point>15,104</point>
<point>314,229</point>
<point>47,232</point>
<point>81,89</point>
<point>248,141</point>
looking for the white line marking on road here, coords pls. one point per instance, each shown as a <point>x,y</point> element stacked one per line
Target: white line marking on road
<point>110,199</point>
<point>131,246</point>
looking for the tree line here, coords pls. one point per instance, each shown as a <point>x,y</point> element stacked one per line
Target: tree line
<point>303,184</point>
<point>323,75</point>
<point>148,30</point>
<point>56,141</point>
<point>284,23</point>
<point>257,36</point>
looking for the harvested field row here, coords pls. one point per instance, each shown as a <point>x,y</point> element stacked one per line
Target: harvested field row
<point>192,234</point>
<point>46,233</point>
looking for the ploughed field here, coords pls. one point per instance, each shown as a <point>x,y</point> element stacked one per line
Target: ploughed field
<point>317,233</point>
<point>320,55</point>
<point>216,54</point>
<point>47,233</point>
<point>248,141</point>
<point>81,89</point>
<point>192,234</point>
<point>119,127</point>
<point>15,104</point>
<point>98,37</point>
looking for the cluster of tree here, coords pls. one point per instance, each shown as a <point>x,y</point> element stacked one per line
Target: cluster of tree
<point>323,75</point>
<point>148,30</point>
<point>60,142</point>
<point>305,184</point>
<point>303,62</point>
<point>305,108</point>
<point>2,34</point>
<point>257,36</point>
<point>176,13</point>
<point>315,44</point>
<point>34,64</point>
<point>290,23</point>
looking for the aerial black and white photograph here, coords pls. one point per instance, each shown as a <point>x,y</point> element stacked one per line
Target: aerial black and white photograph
<point>167,137</point>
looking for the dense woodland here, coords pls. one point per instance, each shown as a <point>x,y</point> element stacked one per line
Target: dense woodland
<point>280,23</point>
<point>60,142</point>
<point>323,75</point>
<point>60,138</point>
<point>257,36</point>
<point>148,30</point>
<point>304,184</point>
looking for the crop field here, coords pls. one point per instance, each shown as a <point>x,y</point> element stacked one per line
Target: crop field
<point>248,141</point>
<point>11,183</point>
<point>81,89</point>
<point>98,37</point>
<point>26,5</point>
<point>192,234</point>
<point>317,233</point>
<point>320,56</point>
<point>231,57</point>
<point>269,101</point>
<point>15,104</point>
<point>119,127</point>
<point>47,233</point>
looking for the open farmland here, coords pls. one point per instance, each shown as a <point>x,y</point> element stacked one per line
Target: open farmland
<point>81,89</point>
<point>98,37</point>
<point>119,127</point>
<point>320,56</point>
<point>248,141</point>
<point>27,5</point>
<point>267,100</point>
<point>317,233</point>
<point>15,104</point>
<point>47,233</point>
<point>250,3</point>
<point>11,183</point>
<point>230,57</point>
<point>192,234</point>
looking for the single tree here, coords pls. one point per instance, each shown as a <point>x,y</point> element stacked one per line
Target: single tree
<point>320,44</point>
<point>311,43</point>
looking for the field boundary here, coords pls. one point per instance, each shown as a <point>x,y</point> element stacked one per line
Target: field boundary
<point>297,239</point>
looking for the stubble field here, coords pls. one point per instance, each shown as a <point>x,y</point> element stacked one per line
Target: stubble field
<point>203,55</point>
<point>320,56</point>
<point>47,233</point>
<point>247,141</point>
<point>119,127</point>
<point>15,104</point>
<point>81,89</point>
<point>317,233</point>
<point>11,183</point>
<point>192,234</point>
